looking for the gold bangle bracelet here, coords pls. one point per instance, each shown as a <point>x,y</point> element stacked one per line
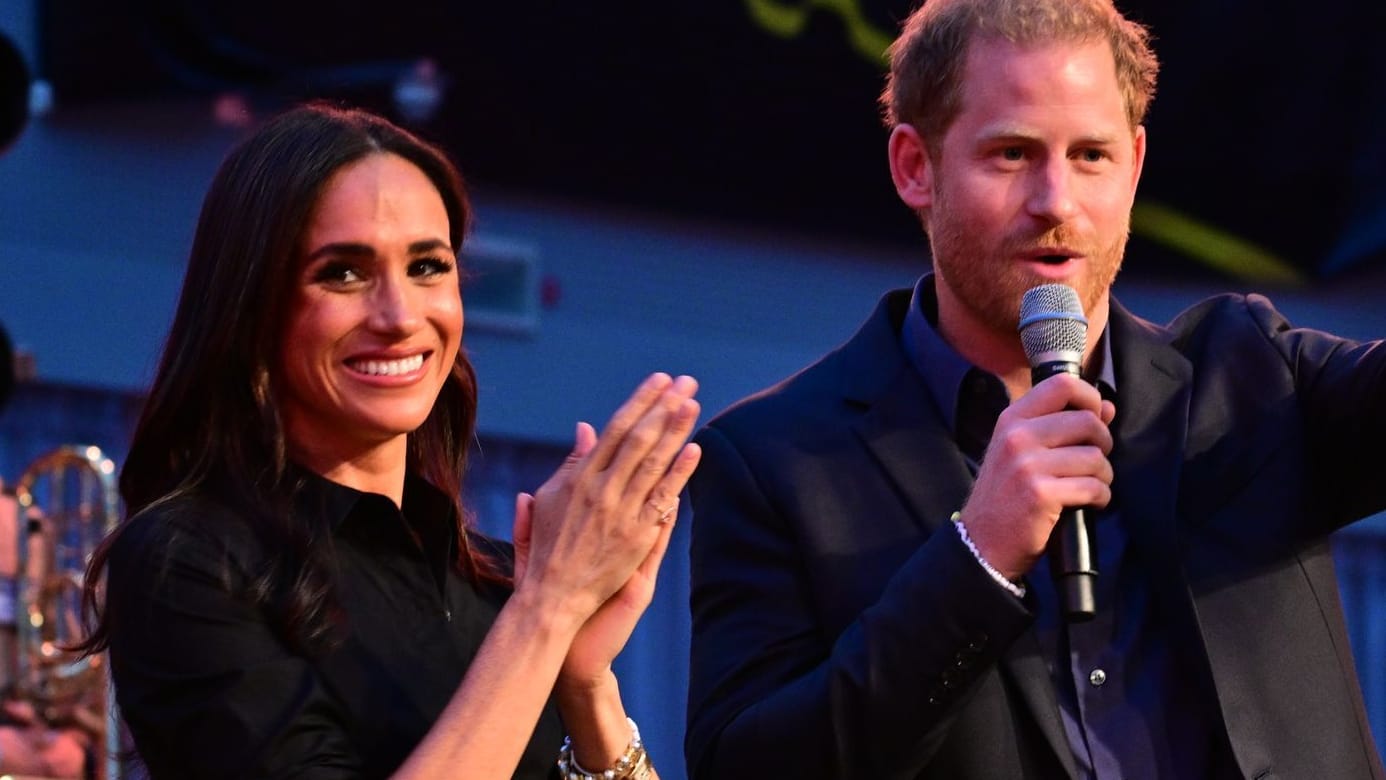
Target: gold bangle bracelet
<point>634,764</point>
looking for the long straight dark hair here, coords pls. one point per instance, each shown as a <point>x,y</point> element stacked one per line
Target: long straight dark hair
<point>210,415</point>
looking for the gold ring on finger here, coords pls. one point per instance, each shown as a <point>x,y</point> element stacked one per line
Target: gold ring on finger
<point>666,513</point>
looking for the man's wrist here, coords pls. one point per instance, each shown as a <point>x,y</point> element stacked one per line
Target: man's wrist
<point>1016,589</point>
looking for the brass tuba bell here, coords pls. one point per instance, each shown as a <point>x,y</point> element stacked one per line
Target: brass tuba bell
<point>71,503</point>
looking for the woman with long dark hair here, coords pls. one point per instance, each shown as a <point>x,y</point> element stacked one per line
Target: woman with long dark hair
<point>296,592</point>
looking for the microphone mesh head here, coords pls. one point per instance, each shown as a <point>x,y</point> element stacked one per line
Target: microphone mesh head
<point>1051,320</point>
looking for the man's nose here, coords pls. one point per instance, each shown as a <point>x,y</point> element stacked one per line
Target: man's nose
<point>1051,196</point>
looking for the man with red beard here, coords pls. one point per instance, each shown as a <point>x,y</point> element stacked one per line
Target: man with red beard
<point>870,595</point>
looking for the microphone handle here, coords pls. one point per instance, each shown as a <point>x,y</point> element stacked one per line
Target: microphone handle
<point>1074,539</point>
<point>1071,548</point>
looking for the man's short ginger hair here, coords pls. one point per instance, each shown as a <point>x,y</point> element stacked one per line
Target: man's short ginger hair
<point>926,62</point>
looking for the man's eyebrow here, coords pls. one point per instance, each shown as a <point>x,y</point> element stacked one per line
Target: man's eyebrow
<point>1007,132</point>
<point>1022,133</point>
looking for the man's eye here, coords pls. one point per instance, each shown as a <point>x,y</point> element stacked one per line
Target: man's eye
<point>1092,155</point>
<point>1013,154</point>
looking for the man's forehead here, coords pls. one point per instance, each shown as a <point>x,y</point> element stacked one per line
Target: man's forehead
<point>1007,73</point>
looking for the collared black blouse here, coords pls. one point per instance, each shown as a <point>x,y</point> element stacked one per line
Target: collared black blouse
<point>210,689</point>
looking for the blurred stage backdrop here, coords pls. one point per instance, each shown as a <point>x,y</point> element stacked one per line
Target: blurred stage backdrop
<point>1265,132</point>
<point>696,187</point>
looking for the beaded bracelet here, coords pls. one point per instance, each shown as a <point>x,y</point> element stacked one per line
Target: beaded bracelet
<point>1016,589</point>
<point>634,764</point>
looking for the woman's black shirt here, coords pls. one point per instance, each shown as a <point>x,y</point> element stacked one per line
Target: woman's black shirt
<point>210,689</point>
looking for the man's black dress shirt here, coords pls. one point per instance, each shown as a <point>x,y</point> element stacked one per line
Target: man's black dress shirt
<point>209,687</point>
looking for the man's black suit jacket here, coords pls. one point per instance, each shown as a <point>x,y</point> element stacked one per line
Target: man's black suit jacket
<point>842,630</point>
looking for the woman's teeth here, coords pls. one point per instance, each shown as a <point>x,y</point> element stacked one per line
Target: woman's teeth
<point>389,367</point>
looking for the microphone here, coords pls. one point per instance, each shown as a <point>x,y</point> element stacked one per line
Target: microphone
<point>1053,332</point>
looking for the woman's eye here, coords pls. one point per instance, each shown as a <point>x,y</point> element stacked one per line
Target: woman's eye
<point>430,266</point>
<point>337,273</point>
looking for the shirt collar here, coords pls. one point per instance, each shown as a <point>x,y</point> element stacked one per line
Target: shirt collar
<point>944,370</point>
<point>938,364</point>
<point>423,507</point>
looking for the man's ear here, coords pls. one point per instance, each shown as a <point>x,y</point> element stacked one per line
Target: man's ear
<point>910,167</point>
<point>1138,152</point>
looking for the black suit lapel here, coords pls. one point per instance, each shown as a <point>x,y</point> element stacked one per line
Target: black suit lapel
<point>905,435</point>
<point>899,425</point>
<point>1154,385</point>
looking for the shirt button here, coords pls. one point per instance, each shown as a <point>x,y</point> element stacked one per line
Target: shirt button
<point>447,615</point>
<point>1097,678</point>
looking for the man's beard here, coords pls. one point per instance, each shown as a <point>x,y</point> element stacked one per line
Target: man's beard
<point>990,282</point>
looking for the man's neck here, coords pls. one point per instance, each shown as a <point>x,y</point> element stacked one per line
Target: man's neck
<point>998,352</point>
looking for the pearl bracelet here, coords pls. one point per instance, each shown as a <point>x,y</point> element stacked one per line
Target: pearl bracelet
<point>634,764</point>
